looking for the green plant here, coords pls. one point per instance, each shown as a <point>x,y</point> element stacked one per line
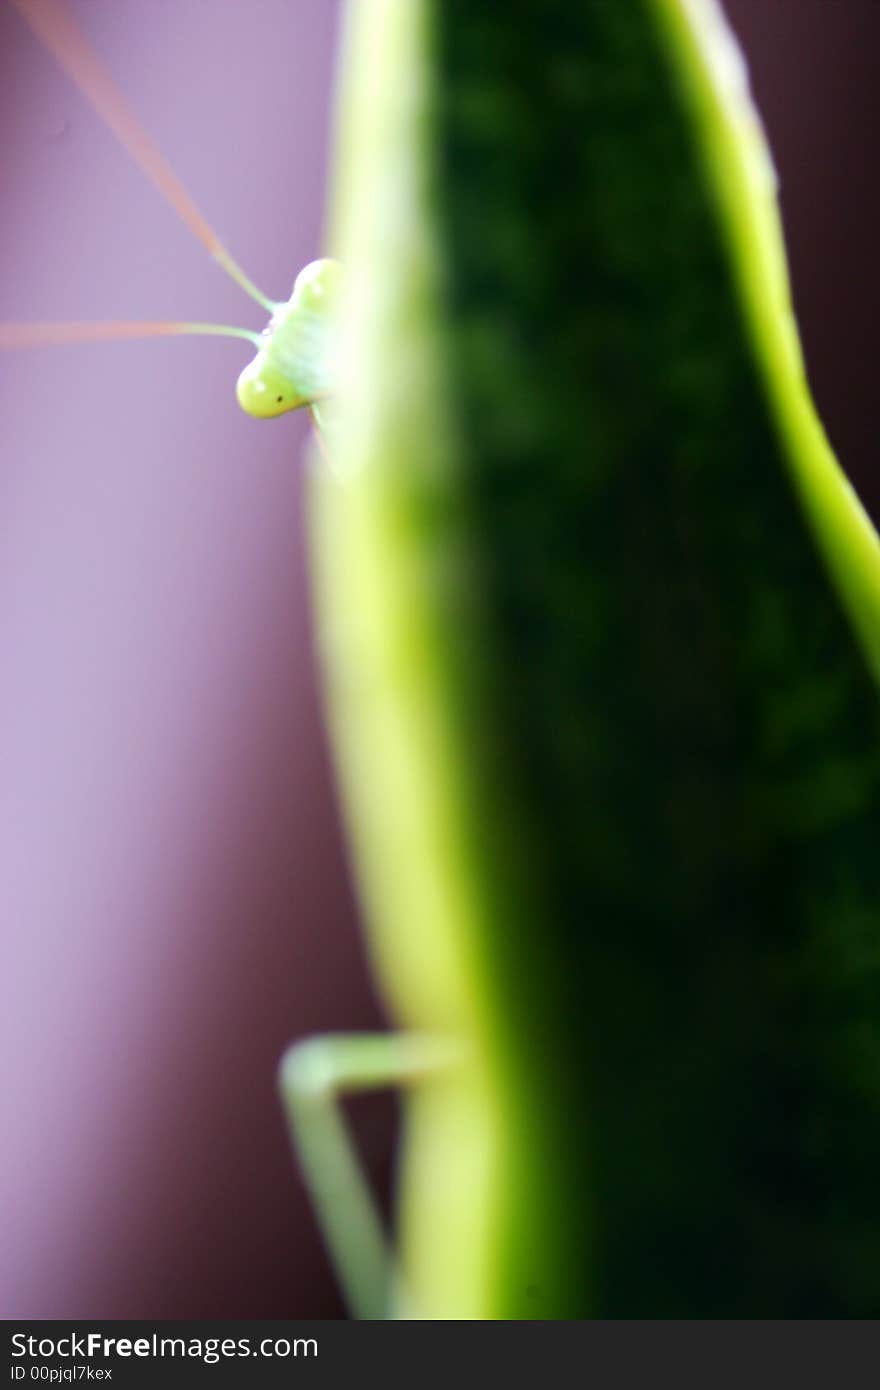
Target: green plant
<point>601,618</point>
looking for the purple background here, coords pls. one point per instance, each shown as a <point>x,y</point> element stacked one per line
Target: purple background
<point>174,898</point>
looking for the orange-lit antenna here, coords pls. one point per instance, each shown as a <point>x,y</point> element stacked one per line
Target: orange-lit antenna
<point>25,335</point>
<point>53,23</point>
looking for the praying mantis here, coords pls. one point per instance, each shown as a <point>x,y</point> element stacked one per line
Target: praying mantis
<point>292,368</point>
<point>293,365</point>
<point>600,625</point>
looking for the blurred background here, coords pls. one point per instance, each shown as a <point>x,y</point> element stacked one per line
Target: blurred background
<point>175,899</point>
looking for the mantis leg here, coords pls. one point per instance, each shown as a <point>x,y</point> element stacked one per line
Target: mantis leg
<point>313,1076</point>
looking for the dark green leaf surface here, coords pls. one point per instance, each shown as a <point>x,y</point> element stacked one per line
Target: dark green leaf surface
<point>611,745</point>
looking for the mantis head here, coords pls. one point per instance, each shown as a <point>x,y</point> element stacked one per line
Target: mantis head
<point>294,364</point>
<point>264,391</point>
<point>292,367</point>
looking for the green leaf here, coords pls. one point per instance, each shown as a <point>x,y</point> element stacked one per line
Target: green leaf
<point>599,613</point>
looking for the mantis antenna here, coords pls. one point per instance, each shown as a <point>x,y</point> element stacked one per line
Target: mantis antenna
<point>53,23</point>
<point>23,335</point>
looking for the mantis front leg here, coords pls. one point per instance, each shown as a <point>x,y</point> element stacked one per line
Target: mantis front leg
<point>313,1076</point>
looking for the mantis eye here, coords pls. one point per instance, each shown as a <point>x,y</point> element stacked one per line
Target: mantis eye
<point>317,286</point>
<point>263,392</point>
